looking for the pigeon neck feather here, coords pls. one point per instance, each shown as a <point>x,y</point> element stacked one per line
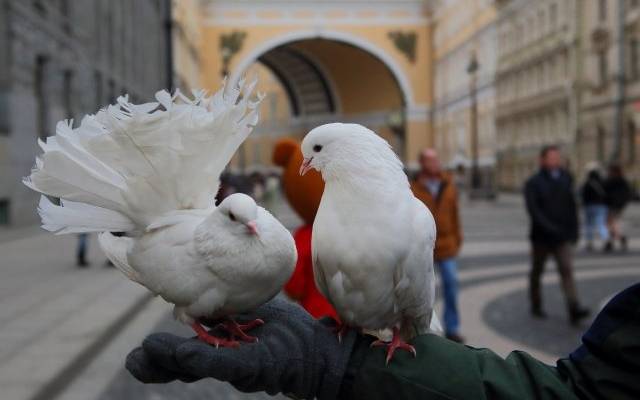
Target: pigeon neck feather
<point>371,169</point>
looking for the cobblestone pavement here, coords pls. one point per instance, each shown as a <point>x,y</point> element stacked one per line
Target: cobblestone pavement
<point>493,275</point>
<point>81,357</point>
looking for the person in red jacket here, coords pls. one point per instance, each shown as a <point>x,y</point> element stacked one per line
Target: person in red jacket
<point>304,194</point>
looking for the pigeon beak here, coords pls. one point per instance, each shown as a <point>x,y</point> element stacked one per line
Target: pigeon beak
<point>252,227</point>
<point>306,165</point>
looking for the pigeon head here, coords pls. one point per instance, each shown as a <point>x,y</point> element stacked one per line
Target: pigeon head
<point>240,212</point>
<point>339,149</point>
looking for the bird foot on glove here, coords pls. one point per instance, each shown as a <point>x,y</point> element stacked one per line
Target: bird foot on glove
<point>341,330</point>
<point>238,331</point>
<point>396,343</point>
<point>212,340</point>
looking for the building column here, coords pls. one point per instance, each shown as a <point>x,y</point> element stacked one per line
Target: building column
<point>418,133</point>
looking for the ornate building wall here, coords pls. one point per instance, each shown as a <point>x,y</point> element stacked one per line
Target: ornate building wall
<point>538,76</point>
<point>465,30</point>
<point>372,57</point>
<point>601,69</point>
<point>187,37</point>
<point>62,59</point>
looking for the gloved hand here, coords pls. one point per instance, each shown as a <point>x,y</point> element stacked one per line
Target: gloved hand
<point>296,355</point>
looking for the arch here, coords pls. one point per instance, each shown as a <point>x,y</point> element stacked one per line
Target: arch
<point>356,41</point>
<point>320,99</point>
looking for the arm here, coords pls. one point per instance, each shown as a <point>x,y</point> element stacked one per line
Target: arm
<point>456,219</point>
<point>300,356</point>
<point>447,370</point>
<point>536,214</point>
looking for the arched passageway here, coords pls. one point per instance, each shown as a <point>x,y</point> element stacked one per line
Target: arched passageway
<point>322,80</point>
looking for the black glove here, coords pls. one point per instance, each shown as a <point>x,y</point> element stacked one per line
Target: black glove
<point>296,355</point>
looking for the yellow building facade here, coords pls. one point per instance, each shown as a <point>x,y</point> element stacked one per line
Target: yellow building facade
<point>367,62</point>
<point>186,44</point>
<point>465,54</point>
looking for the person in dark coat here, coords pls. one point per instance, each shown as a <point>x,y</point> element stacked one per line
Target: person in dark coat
<point>618,194</point>
<point>595,208</point>
<point>552,210</point>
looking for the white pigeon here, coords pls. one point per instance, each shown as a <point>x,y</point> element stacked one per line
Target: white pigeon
<point>372,240</point>
<point>152,170</point>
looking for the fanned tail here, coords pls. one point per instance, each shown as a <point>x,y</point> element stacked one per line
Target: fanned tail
<point>130,164</point>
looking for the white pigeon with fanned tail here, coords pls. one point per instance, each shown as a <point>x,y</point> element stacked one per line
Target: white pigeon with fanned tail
<point>372,240</point>
<point>152,170</point>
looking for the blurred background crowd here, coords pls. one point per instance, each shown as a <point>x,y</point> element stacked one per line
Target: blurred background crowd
<point>516,121</point>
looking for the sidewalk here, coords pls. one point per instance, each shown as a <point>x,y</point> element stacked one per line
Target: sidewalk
<point>67,330</point>
<point>53,314</point>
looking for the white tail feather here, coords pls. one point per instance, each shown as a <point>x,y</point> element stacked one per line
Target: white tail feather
<point>130,164</point>
<point>72,217</point>
<point>116,249</point>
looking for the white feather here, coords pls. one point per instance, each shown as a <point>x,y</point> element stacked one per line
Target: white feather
<point>116,249</point>
<point>72,217</point>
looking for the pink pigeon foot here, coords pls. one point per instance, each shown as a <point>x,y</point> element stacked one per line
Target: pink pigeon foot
<point>210,339</point>
<point>238,331</point>
<point>396,343</point>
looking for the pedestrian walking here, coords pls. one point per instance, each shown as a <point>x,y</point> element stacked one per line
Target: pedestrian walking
<point>595,209</point>
<point>437,191</point>
<point>618,194</point>
<point>552,210</point>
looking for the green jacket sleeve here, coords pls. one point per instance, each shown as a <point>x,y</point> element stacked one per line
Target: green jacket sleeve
<point>447,370</point>
<point>606,366</point>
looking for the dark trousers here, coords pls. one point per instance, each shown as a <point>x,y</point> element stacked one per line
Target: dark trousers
<point>563,255</point>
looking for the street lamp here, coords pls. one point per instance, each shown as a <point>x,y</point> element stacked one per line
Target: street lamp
<point>395,122</point>
<point>472,70</point>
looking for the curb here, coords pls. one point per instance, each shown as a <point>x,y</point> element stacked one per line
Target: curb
<point>66,376</point>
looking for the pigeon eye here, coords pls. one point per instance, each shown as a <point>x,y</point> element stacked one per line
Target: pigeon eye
<point>231,216</point>
<point>317,148</point>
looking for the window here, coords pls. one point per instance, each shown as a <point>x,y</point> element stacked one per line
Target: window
<point>601,134</point>
<point>602,10</point>
<point>42,110</point>
<point>4,113</point>
<point>553,15</point>
<point>631,143</point>
<point>67,89</point>
<point>541,22</point>
<point>97,77</point>
<point>64,10</point>
<point>603,68</point>
<point>634,70</point>
<point>4,211</point>
<point>39,6</point>
<point>112,92</point>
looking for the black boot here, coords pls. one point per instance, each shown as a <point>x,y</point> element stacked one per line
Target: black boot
<point>82,262</point>
<point>623,243</point>
<point>608,247</point>
<point>538,312</point>
<point>577,313</point>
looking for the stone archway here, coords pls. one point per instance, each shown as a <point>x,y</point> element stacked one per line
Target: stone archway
<point>298,36</point>
<point>330,78</point>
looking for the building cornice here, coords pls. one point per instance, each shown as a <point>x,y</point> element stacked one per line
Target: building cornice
<point>548,99</point>
<point>308,13</point>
